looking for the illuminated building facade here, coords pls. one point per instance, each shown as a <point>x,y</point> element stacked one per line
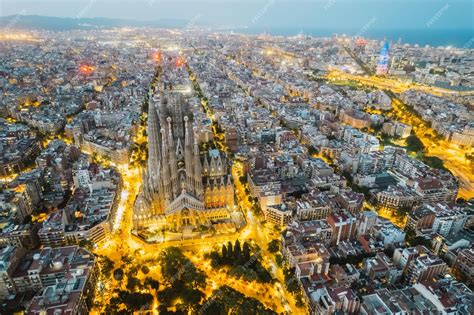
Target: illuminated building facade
<point>382,63</point>
<point>182,187</point>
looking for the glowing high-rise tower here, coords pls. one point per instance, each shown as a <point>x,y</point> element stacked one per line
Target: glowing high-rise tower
<point>382,63</point>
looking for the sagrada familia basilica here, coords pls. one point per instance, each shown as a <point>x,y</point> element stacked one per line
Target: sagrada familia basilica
<point>183,187</point>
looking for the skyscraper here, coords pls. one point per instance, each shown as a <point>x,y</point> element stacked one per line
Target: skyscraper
<point>182,186</point>
<point>382,63</point>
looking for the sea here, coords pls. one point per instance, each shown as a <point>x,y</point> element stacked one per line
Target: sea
<point>463,38</point>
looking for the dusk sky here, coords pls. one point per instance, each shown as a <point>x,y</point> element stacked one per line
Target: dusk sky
<point>304,14</point>
<point>258,157</point>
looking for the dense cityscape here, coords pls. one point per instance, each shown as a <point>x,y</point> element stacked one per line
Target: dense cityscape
<point>165,171</point>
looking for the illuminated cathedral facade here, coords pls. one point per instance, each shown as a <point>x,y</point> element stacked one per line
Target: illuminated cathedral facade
<point>182,187</point>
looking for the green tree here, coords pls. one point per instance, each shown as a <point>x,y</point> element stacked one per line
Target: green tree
<point>118,274</point>
<point>172,262</point>
<point>237,252</point>
<point>192,297</point>
<point>263,274</point>
<point>246,252</point>
<point>230,252</point>
<point>226,300</point>
<point>224,253</point>
<point>145,269</point>
<point>414,144</point>
<point>279,260</point>
<point>434,161</point>
<point>274,246</point>
<point>299,301</point>
<point>107,266</point>
<point>136,301</point>
<point>257,209</point>
<point>177,268</point>
<point>292,284</point>
<point>132,283</point>
<point>152,283</point>
<point>312,150</point>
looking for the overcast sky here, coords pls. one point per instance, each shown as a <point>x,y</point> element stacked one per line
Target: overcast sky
<point>328,14</point>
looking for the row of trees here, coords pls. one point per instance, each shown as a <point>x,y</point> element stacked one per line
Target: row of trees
<point>244,264</point>
<point>235,255</point>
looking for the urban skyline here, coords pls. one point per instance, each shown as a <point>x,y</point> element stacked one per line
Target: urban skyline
<point>416,22</point>
<point>187,169</point>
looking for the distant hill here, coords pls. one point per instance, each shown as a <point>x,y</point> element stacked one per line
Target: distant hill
<point>63,24</point>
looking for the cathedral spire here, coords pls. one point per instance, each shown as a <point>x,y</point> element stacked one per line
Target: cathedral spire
<point>188,155</point>
<point>170,133</point>
<point>197,166</point>
<point>173,163</point>
<point>165,167</point>
<point>187,132</point>
<point>153,128</point>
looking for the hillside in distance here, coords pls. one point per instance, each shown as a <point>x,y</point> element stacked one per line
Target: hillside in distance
<point>64,24</point>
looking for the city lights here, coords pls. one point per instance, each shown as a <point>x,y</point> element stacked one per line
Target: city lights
<point>200,170</point>
<point>86,69</point>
